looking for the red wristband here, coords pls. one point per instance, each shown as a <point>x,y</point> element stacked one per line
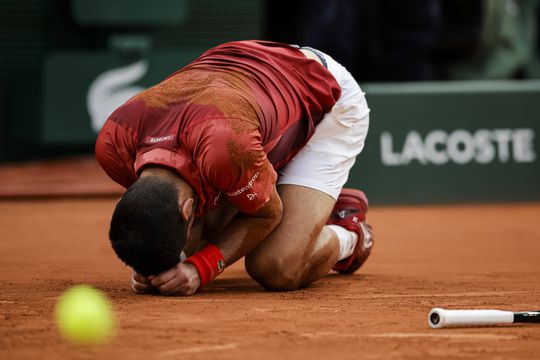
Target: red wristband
<point>209,263</point>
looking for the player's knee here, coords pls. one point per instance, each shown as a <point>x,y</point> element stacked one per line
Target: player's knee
<point>274,273</point>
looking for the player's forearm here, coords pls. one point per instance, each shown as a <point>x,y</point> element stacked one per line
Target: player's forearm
<point>239,237</point>
<point>243,234</point>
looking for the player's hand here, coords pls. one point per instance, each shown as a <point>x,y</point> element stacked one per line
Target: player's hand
<point>183,279</point>
<point>141,284</point>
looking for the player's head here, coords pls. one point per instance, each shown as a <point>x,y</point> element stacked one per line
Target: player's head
<point>150,225</point>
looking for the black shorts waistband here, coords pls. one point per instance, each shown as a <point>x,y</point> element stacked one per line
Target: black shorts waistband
<point>319,54</point>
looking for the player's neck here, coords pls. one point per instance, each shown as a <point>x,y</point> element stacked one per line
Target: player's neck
<point>184,189</point>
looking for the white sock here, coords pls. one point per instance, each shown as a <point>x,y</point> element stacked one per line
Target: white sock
<point>347,241</point>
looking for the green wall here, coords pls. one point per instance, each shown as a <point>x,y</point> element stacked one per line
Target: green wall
<point>431,142</point>
<point>451,142</point>
<point>36,34</point>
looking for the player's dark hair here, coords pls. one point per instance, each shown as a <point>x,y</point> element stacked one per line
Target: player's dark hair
<point>147,230</point>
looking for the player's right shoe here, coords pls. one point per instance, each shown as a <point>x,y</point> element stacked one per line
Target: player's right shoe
<point>350,213</point>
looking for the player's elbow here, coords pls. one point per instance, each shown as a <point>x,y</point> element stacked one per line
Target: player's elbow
<point>272,210</point>
<point>269,217</point>
<point>277,215</point>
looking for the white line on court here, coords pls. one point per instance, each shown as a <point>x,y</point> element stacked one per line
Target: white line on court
<point>197,349</point>
<point>403,335</point>
<point>370,296</point>
<point>464,336</point>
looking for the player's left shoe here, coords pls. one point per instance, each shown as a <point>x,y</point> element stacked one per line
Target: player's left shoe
<point>350,212</point>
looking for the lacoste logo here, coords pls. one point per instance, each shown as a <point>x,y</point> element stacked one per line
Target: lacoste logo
<point>111,89</point>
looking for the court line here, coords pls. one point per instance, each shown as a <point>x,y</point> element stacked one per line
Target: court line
<point>464,336</point>
<point>404,335</point>
<point>379,296</point>
<point>461,294</point>
<point>197,349</point>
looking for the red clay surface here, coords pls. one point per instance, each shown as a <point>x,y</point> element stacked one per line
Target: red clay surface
<point>481,256</point>
<point>78,176</point>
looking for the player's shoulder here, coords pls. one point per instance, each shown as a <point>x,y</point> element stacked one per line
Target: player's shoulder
<point>129,114</point>
<point>208,131</point>
<point>223,130</point>
<point>223,144</point>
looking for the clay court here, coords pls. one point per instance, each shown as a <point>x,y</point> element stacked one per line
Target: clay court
<point>54,220</point>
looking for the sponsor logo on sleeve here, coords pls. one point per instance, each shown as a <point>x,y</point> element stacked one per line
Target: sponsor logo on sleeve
<point>158,139</point>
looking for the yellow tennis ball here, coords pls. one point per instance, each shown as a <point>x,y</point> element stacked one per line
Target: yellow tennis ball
<point>84,316</point>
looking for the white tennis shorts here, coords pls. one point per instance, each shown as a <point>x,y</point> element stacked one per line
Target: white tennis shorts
<point>324,163</point>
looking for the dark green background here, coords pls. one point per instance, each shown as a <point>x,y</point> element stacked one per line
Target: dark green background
<point>449,106</point>
<point>395,108</point>
<point>51,51</point>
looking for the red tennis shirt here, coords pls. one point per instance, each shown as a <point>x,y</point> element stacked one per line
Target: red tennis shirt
<point>225,123</point>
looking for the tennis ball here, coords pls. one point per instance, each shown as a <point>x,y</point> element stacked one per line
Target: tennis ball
<point>84,316</point>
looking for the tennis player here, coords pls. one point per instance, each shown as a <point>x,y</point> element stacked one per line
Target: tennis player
<point>242,153</point>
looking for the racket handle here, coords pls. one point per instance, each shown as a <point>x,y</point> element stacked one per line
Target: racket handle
<point>439,318</point>
<point>527,317</point>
